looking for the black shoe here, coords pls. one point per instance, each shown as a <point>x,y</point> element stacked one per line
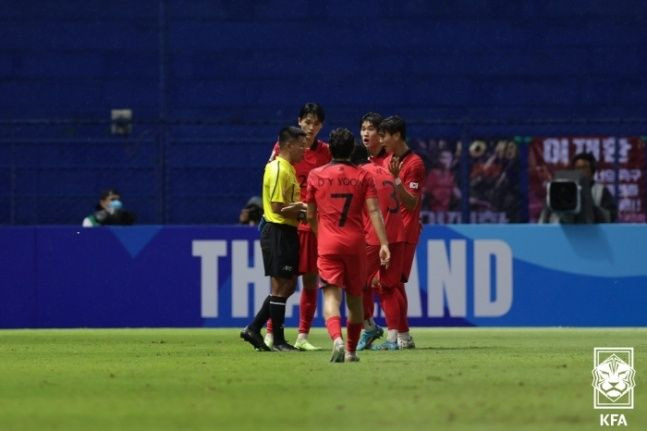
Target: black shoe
<point>284,347</point>
<point>255,339</point>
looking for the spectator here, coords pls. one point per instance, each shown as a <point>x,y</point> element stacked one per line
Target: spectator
<point>441,191</point>
<point>109,211</point>
<point>252,212</point>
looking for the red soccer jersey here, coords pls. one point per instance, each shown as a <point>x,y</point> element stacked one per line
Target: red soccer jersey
<point>412,175</point>
<point>389,205</point>
<point>340,190</point>
<point>317,155</point>
<point>379,158</point>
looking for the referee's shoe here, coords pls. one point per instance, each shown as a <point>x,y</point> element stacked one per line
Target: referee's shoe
<point>254,338</point>
<point>284,347</point>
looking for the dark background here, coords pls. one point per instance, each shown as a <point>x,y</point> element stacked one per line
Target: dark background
<point>211,82</point>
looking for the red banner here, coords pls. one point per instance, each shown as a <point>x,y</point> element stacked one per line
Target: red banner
<point>547,155</point>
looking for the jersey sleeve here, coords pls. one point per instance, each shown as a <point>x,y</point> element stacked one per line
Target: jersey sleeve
<point>278,184</point>
<point>413,178</point>
<point>310,190</point>
<point>371,191</point>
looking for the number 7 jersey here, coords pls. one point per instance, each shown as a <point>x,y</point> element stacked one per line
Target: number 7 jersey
<point>340,190</point>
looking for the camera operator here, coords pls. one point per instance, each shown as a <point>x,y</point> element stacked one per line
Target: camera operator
<point>252,212</point>
<point>605,209</point>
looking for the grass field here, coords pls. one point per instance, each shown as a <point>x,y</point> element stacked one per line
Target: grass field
<point>208,379</point>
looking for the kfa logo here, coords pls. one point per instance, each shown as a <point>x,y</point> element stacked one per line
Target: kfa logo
<point>613,382</point>
<point>613,378</point>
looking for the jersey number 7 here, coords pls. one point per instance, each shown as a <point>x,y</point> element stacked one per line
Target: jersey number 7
<point>348,198</point>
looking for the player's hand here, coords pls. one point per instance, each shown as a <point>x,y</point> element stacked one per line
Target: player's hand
<point>395,165</point>
<point>385,256</point>
<point>293,208</point>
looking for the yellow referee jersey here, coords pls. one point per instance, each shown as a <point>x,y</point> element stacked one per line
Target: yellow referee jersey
<point>279,185</point>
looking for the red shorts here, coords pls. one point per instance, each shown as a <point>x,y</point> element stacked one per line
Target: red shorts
<point>307,252</point>
<point>407,261</point>
<point>391,276</point>
<point>347,271</point>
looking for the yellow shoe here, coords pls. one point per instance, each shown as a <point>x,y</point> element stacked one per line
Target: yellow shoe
<point>304,344</point>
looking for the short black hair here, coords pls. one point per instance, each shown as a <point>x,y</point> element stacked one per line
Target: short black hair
<point>290,133</point>
<point>372,117</point>
<point>108,192</point>
<point>313,109</point>
<point>104,195</point>
<point>341,143</point>
<point>587,157</point>
<point>359,155</point>
<point>393,124</point>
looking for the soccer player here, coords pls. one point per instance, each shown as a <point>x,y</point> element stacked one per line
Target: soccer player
<point>371,139</point>
<point>311,118</point>
<point>408,172</point>
<point>336,196</point>
<point>384,280</point>
<point>279,239</point>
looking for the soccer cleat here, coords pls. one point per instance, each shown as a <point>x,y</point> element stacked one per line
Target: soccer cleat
<point>254,338</point>
<point>269,340</point>
<point>284,347</point>
<point>305,345</point>
<point>406,344</point>
<point>387,345</point>
<point>337,353</point>
<point>351,357</point>
<point>367,337</point>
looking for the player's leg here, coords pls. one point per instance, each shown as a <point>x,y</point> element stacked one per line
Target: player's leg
<point>405,341</point>
<point>371,331</point>
<point>391,300</point>
<point>331,270</point>
<point>308,295</point>
<point>354,325</point>
<point>251,333</point>
<point>309,291</point>
<point>332,296</point>
<point>282,288</point>
<point>284,283</point>
<point>307,308</point>
<point>354,280</point>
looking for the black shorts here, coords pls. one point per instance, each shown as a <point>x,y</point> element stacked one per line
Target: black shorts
<point>280,245</point>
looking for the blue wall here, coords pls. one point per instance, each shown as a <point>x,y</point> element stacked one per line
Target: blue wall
<point>464,275</point>
<point>228,74</point>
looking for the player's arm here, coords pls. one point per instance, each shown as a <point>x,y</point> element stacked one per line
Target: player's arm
<point>409,200</point>
<point>295,210</point>
<point>373,208</point>
<point>311,215</point>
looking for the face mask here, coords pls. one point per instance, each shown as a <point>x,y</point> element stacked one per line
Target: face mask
<point>114,206</point>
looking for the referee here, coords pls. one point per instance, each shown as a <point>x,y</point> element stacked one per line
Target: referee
<point>279,240</point>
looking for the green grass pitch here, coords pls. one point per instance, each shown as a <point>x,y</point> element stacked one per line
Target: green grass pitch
<point>208,379</point>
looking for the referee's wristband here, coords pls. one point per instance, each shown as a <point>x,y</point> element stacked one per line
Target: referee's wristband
<point>397,181</point>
